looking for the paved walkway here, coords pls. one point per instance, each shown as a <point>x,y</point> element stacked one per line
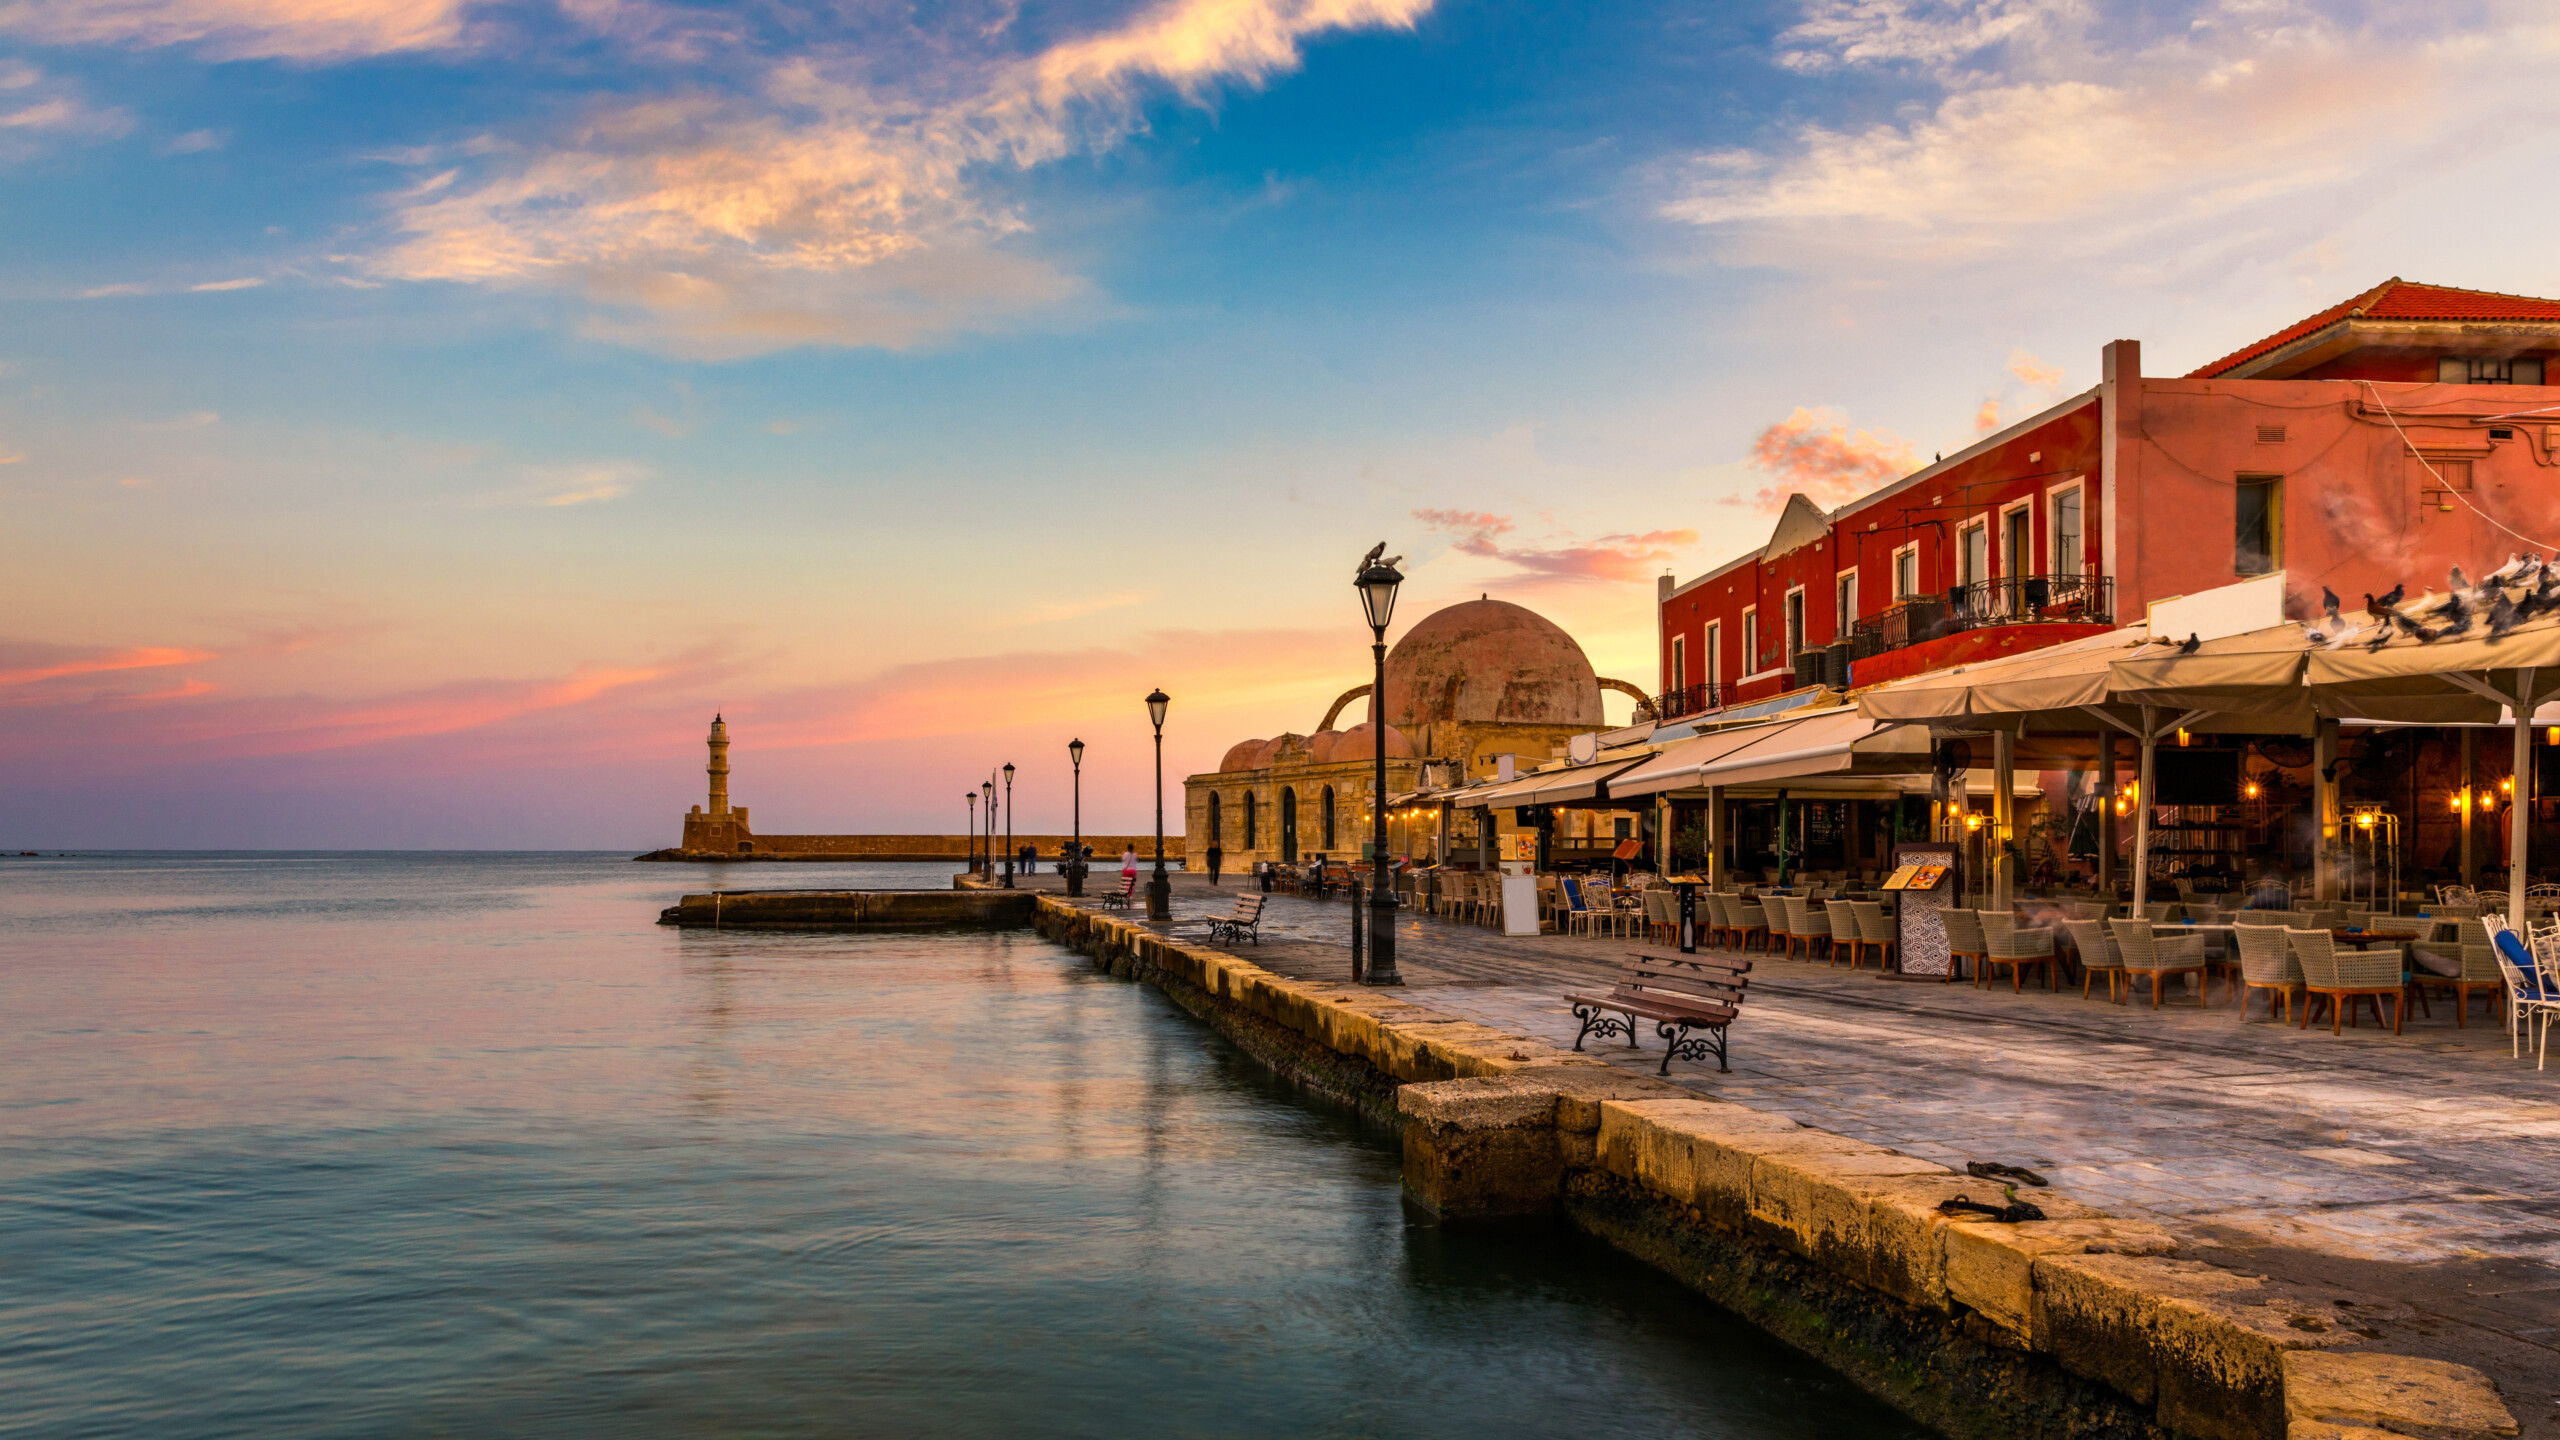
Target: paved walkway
<point>2417,1177</point>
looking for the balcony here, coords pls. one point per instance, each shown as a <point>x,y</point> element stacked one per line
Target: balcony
<point>2008,600</point>
<point>1687,700</point>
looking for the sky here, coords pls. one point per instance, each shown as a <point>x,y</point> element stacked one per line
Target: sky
<point>418,417</point>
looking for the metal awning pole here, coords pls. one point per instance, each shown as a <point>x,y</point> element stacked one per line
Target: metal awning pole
<point>2004,805</point>
<point>2142,814</point>
<point>2469,786</point>
<point>1715,837</point>
<point>2520,816</point>
<point>2107,815</point>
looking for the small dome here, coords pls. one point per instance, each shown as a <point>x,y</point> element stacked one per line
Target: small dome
<point>1486,661</point>
<point>1243,755</point>
<point>1356,744</point>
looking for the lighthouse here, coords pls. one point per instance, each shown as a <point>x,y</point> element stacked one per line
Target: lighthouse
<point>719,766</point>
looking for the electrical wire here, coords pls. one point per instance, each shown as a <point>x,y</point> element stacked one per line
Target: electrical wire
<point>2546,547</point>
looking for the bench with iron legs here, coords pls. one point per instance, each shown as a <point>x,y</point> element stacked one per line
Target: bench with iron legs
<point>1678,993</point>
<point>1119,899</point>
<point>1242,923</point>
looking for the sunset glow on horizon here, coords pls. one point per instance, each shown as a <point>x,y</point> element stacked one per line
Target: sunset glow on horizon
<point>418,417</point>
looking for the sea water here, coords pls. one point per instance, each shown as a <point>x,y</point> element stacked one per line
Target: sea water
<point>402,1144</point>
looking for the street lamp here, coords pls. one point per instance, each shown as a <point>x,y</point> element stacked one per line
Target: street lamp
<point>1008,824</point>
<point>972,797</point>
<point>1160,889</point>
<point>1377,582</point>
<point>988,789</point>
<point>1075,851</point>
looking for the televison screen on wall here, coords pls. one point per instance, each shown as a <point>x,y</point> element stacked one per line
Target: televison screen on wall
<point>2196,777</point>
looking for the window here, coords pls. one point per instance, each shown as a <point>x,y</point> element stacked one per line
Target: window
<point>1252,822</point>
<point>1906,572</point>
<point>1973,562</point>
<point>1794,638</point>
<point>2257,529</point>
<point>1328,817</point>
<point>2463,370</point>
<point>1213,817</point>
<point>1751,640</point>
<point>1679,677</point>
<point>1844,599</point>
<point>1714,674</point>
<point>2018,546</point>
<point>2270,434</point>
<point>2066,556</point>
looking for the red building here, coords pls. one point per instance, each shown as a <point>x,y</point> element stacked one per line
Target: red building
<point>2379,442</point>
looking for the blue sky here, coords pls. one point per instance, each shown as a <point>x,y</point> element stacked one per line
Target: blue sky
<point>427,411</point>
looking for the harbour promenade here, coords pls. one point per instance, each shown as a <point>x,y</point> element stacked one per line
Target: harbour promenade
<point>2410,1179</point>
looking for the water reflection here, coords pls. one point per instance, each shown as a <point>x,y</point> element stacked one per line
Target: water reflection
<point>466,1144</point>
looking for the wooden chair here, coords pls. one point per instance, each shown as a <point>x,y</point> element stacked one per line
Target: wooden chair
<point>2267,962</point>
<point>2098,956</point>
<point>2146,953</point>
<point>2003,943</point>
<point>1964,940</point>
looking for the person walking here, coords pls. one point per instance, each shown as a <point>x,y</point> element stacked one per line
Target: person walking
<point>1129,862</point>
<point>1217,858</point>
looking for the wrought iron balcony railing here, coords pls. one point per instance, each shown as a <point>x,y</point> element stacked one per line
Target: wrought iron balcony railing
<point>2009,600</point>
<point>1687,700</point>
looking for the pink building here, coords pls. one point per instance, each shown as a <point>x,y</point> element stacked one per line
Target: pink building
<point>2380,442</point>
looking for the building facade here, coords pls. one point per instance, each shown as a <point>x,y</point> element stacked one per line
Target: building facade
<point>2377,443</point>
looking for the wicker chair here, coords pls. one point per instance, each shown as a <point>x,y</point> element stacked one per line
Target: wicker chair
<point>1875,932</point>
<point>2479,976</point>
<point>2341,977</point>
<point>2267,963</point>
<point>1964,939</point>
<point>2005,944</point>
<point>2098,956</point>
<point>2146,953</point>
<point>1846,937</point>
<point>1748,918</point>
<point>1715,919</point>
<point>2159,911</point>
<point>1807,927</point>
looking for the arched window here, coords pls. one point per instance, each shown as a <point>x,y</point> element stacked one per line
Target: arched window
<point>1213,817</point>
<point>1252,822</point>
<point>1288,825</point>
<point>1328,817</point>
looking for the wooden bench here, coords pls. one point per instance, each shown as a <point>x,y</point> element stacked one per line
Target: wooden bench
<point>1242,923</point>
<point>1679,993</point>
<point>1119,899</point>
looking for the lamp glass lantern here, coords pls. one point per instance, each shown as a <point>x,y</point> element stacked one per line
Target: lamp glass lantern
<point>1157,700</point>
<point>1377,585</point>
<point>1075,752</point>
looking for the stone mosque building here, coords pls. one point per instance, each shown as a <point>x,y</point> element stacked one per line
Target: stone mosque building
<point>1469,684</point>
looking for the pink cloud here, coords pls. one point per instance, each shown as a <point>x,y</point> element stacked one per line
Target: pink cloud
<point>1813,452</point>
<point>2024,365</point>
<point>1987,419</point>
<point>1609,557</point>
<point>140,657</point>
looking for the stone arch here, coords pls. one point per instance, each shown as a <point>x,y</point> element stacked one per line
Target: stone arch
<point>1354,693</point>
<point>1644,702</point>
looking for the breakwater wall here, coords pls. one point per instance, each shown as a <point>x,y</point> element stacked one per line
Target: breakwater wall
<point>2081,1325</point>
<point>853,910</point>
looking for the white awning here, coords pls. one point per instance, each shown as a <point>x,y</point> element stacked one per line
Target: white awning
<point>1834,742</point>
<point>1561,786</point>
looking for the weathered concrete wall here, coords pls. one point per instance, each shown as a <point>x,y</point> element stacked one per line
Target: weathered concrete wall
<point>719,839</point>
<point>2081,1325</point>
<point>853,910</point>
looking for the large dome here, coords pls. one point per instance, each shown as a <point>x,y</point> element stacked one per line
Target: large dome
<point>1490,661</point>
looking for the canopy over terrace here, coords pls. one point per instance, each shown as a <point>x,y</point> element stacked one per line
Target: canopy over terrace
<point>2430,679</point>
<point>2122,681</point>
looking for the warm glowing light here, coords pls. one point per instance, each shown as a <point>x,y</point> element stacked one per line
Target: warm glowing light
<point>2183,736</point>
<point>2119,807</point>
<point>2551,736</point>
<point>2507,786</point>
<point>1973,821</point>
<point>2250,790</point>
<point>2461,798</point>
<point>2365,819</point>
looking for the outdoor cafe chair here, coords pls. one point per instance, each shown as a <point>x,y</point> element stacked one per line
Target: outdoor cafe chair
<point>1715,919</point>
<point>1807,927</point>
<point>1661,917</point>
<point>2267,963</point>
<point>2004,943</point>
<point>1843,923</point>
<point>2461,970</point>
<point>1785,923</point>
<point>2098,955</point>
<point>1746,918</point>
<point>1578,913</point>
<point>1964,939</point>
<point>2343,977</point>
<point>2533,1000</point>
<point>1875,932</point>
<point>2147,953</point>
<point>2157,911</point>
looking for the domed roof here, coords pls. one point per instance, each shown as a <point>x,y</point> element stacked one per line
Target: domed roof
<point>1356,744</point>
<point>1243,755</point>
<point>1490,660</point>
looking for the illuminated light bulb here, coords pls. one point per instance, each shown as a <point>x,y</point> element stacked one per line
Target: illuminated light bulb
<point>2365,819</point>
<point>2507,786</point>
<point>2459,801</point>
<point>1973,822</point>
<point>2551,736</point>
<point>2250,790</point>
<point>2183,736</point>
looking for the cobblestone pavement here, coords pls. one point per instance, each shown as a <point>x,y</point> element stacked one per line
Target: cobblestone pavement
<point>2421,1170</point>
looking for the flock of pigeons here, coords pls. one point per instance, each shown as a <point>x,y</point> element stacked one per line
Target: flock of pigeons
<point>2504,598</point>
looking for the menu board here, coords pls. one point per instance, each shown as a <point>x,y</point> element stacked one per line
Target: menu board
<point>1916,877</point>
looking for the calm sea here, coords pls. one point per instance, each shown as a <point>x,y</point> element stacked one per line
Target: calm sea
<point>332,1144</point>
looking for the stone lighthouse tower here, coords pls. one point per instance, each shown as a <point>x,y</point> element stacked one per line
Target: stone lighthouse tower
<point>719,767</point>
<point>719,828</point>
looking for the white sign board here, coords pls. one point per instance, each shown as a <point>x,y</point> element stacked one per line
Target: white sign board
<point>2229,610</point>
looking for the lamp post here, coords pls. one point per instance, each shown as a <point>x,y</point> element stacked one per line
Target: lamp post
<point>1377,582</point>
<point>1008,824</point>
<point>1160,889</point>
<point>988,790</point>
<point>972,797</point>
<point>1075,849</point>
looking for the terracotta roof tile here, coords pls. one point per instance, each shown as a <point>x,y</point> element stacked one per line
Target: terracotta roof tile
<point>2394,299</point>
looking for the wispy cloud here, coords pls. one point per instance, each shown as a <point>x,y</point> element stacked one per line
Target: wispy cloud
<point>28,669</point>
<point>192,420</point>
<point>194,142</point>
<point>1626,556</point>
<point>1057,610</point>
<point>37,111</point>
<point>238,29</point>
<point>826,208</point>
<point>250,282</point>
<point>1813,452</point>
<point>558,486</point>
